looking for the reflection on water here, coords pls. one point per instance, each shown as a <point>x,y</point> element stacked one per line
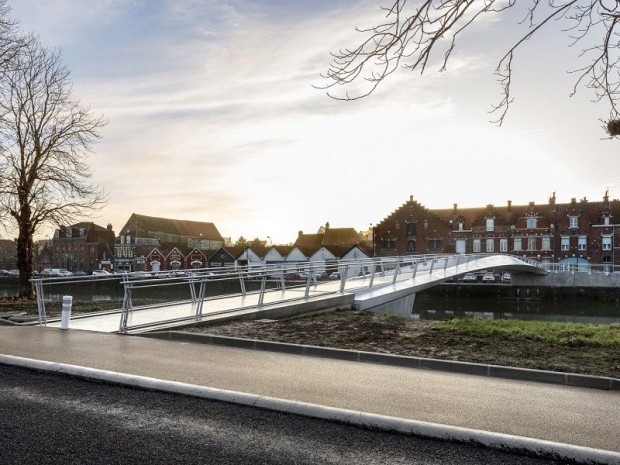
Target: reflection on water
<point>433,307</point>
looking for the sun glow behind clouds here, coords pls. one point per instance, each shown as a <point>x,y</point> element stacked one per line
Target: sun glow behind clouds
<point>213,117</point>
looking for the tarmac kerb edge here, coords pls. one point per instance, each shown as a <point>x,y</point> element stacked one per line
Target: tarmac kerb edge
<point>367,420</point>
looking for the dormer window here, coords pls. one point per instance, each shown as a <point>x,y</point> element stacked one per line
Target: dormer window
<point>606,221</point>
<point>532,223</point>
<point>573,222</point>
<point>490,224</point>
<point>460,225</point>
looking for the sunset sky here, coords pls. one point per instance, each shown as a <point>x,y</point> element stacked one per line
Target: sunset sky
<point>212,116</point>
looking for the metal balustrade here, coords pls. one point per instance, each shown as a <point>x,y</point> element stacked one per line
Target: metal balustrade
<point>138,300</point>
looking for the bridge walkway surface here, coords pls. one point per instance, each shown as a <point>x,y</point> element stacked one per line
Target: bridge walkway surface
<point>586,418</point>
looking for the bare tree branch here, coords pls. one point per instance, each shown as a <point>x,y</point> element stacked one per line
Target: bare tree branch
<point>413,32</point>
<point>45,137</point>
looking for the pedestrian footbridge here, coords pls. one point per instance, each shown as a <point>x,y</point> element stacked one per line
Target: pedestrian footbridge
<point>183,298</point>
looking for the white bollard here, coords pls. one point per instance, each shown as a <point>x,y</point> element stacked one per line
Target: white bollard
<point>65,316</point>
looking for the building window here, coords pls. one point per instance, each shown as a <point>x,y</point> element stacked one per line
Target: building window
<point>411,246</point>
<point>517,244</point>
<point>476,246</point>
<point>582,242</point>
<point>460,225</point>
<point>565,243</point>
<point>434,244</point>
<point>532,223</point>
<point>573,222</point>
<point>410,229</point>
<point>389,244</point>
<point>531,243</point>
<point>490,245</point>
<point>546,243</point>
<point>490,224</point>
<point>606,242</point>
<point>503,245</point>
<point>606,221</point>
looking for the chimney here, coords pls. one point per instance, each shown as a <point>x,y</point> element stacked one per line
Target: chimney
<point>509,205</point>
<point>109,226</point>
<point>299,233</point>
<point>411,198</point>
<point>455,206</point>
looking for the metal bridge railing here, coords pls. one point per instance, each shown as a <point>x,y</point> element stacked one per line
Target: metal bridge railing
<point>144,299</point>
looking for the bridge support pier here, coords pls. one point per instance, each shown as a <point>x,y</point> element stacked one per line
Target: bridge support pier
<point>402,306</point>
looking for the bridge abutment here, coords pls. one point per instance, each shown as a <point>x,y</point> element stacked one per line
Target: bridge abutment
<point>398,307</point>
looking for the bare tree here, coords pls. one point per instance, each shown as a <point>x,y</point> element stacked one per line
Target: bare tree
<point>45,135</point>
<point>413,33</point>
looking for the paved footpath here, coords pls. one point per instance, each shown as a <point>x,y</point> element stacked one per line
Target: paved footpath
<point>570,415</point>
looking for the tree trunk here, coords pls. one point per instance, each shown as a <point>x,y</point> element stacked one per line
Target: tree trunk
<point>25,253</point>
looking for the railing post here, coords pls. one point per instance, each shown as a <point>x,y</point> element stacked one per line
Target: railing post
<point>192,290</point>
<point>415,269</point>
<point>282,276</point>
<point>343,277</point>
<point>126,308</point>
<point>242,284</point>
<point>201,297</point>
<point>372,275</point>
<point>261,296</point>
<point>396,271</point>
<point>38,286</point>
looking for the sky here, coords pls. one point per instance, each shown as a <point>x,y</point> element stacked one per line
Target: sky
<point>213,116</point>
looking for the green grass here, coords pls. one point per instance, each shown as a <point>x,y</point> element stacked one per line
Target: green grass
<point>570,334</point>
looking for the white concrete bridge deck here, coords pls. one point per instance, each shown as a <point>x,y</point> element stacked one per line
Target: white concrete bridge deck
<point>384,285</point>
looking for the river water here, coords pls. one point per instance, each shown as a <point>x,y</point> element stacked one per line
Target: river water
<point>436,307</point>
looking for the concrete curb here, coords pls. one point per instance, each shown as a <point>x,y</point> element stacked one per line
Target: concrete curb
<point>492,440</point>
<point>478,369</point>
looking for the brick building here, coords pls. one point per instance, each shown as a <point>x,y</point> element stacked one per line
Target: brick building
<point>576,233</point>
<point>82,247</point>
<point>148,243</point>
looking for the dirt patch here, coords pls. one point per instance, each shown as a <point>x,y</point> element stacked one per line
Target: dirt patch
<point>367,331</point>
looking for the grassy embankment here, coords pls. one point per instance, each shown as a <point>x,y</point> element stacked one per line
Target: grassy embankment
<point>550,332</point>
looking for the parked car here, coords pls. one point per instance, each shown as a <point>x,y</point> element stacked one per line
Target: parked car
<point>64,273</point>
<point>488,277</point>
<point>13,273</point>
<point>506,278</point>
<point>334,275</point>
<point>469,278</point>
<point>4,273</point>
<point>80,273</point>
<point>100,273</point>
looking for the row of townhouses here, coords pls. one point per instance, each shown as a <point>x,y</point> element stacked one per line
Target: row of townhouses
<point>580,232</point>
<point>159,244</point>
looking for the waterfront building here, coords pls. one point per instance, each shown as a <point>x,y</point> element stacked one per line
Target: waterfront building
<point>148,243</point>
<point>83,246</point>
<point>577,233</point>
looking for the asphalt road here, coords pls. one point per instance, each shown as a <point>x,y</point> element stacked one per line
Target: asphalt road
<point>47,418</point>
